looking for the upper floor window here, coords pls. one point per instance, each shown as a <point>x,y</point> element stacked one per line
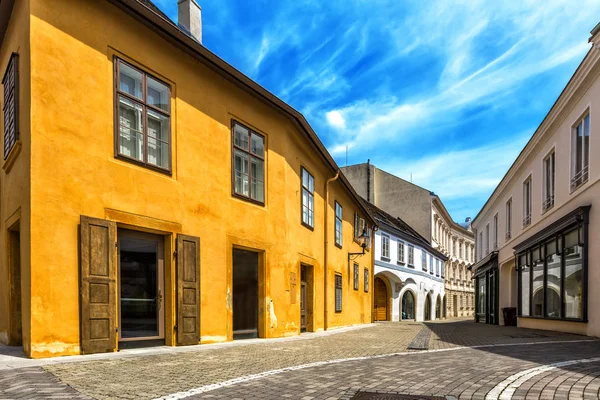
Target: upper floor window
<point>366,279</point>
<point>249,163</point>
<point>338,224</point>
<point>480,245</point>
<point>431,266</point>
<point>143,103</point>
<point>338,293</point>
<point>496,231</point>
<point>580,152</point>
<point>400,252</point>
<point>454,247</point>
<point>527,202</point>
<point>437,269</point>
<point>411,255</point>
<point>424,260</point>
<point>460,250</point>
<point>11,104</point>
<point>548,188</point>
<point>308,199</point>
<point>385,246</point>
<point>508,219</point>
<point>355,276</point>
<point>487,239</point>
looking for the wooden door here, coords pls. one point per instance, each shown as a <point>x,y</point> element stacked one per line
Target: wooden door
<point>188,290</point>
<point>302,298</point>
<point>98,275</point>
<point>381,298</point>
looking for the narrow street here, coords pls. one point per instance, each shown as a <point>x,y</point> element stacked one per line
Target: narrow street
<point>460,359</point>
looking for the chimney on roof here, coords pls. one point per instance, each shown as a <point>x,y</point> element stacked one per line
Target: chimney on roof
<point>190,18</point>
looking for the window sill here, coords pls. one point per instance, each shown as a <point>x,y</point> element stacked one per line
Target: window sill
<point>307,226</point>
<point>386,259</point>
<point>411,266</point>
<point>12,156</point>
<point>579,186</point>
<point>339,246</point>
<point>142,164</point>
<point>584,321</point>
<point>400,263</point>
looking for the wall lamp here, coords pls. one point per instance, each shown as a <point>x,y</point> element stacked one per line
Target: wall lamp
<point>362,239</point>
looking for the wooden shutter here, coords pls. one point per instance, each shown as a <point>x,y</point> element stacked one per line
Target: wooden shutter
<point>98,297</point>
<point>188,290</point>
<point>10,81</point>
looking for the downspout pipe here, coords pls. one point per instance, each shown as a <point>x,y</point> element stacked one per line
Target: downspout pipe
<point>326,248</point>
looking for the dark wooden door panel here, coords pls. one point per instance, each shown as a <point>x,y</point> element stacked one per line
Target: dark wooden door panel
<point>98,299</point>
<point>188,290</point>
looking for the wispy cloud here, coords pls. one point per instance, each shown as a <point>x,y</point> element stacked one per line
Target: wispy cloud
<point>422,87</point>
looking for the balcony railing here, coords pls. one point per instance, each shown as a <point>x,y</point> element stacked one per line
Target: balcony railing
<point>527,220</point>
<point>548,203</point>
<point>580,178</point>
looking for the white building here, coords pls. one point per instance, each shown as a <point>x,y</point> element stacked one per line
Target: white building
<point>409,273</point>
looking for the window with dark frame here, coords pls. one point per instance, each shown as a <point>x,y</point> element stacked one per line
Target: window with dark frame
<point>385,247</point>
<point>338,293</point>
<point>143,116</point>
<point>431,266</point>
<point>495,232</point>
<point>355,276</point>
<point>10,81</point>
<point>308,199</point>
<point>580,152</point>
<point>248,163</point>
<point>366,280</point>
<point>551,274</point>
<point>549,172</point>
<point>338,224</point>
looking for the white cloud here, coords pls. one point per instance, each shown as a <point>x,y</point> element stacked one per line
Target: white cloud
<point>336,119</point>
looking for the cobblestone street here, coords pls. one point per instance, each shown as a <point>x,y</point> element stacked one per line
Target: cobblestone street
<point>461,359</point>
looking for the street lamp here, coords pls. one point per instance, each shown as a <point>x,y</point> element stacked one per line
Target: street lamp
<point>362,239</point>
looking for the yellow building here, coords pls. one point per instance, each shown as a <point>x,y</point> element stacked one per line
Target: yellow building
<point>152,193</point>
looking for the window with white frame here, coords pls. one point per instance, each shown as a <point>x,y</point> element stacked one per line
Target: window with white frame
<point>496,231</point>
<point>480,245</point>
<point>431,266</point>
<point>548,188</point>
<point>385,247</point>
<point>442,268</point>
<point>460,250</point>
<point>487,239</point>
<point>508,219</point>
<point>411,255</point>
<point>423,260</point>
<point>400,252</point>
<point>580,152</point>
<point>527,202</point>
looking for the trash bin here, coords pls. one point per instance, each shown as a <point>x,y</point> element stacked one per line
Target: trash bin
<point>510,316</point>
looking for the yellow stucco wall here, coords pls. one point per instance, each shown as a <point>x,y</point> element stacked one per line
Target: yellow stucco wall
<point>74,173</point>
<point>15,187</point>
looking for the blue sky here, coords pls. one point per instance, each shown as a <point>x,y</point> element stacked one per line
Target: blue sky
<point>447,91</point>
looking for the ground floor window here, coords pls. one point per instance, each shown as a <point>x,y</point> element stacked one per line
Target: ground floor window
<point>408,305</point>
<point>552,270</point>
<point>338,293</point>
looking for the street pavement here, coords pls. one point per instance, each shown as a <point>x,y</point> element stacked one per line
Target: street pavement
<point>457,359</point>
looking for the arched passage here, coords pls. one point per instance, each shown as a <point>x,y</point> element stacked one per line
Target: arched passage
<point>382,294</point>
<point>427,311</point>
<point>438,306</point>
<point>408,305</point>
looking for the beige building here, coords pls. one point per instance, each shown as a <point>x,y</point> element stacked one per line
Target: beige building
<point>537,235</point>
<point>457,242</point>
<point>424,212</point>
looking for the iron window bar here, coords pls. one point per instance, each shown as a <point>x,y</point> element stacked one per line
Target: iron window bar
<point>507,236</point>
<point>527,220</point>
<point>548,203</point>
<point>580,178</point>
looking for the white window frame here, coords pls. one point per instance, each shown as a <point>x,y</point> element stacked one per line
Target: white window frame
<point>411,255</point>
<point>496,232</point>
<point>400,252</point>
<point>581,176</point>
<point>527,200</point>
<point>548,197</point>
<point>385,246</point>
<point>509,212</point>
<point>423,260</point>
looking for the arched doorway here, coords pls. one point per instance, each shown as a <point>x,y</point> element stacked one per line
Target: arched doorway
<point>438,308</point>
<point>381,300</point>
<point>444,307</point>
<point>427,308</point>
<point>408,305</point>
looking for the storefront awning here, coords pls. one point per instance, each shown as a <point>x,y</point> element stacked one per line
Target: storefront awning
<point>485,264</point>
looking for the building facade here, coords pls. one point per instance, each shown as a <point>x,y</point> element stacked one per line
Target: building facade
<point>409,273</point>
<point>457,243</point>
<point>424,212</point>
<point>152,193</point>
<point>537,234</point>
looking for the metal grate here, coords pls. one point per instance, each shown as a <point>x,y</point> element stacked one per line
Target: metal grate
<point>360,395</point>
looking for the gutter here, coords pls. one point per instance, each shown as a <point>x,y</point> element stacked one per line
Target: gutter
<point>326,248</point>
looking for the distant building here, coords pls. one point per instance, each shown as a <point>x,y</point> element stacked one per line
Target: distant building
<point>424,212</point>
<point>538,233</point>
<point>409,272</point>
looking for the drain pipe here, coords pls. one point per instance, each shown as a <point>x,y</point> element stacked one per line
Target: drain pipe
<point>325,253</point>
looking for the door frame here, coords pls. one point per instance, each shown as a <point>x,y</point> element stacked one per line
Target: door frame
<point>15,284</point>
<point>161,274</point>
<point>387,297</point>
<point>264,309</point>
